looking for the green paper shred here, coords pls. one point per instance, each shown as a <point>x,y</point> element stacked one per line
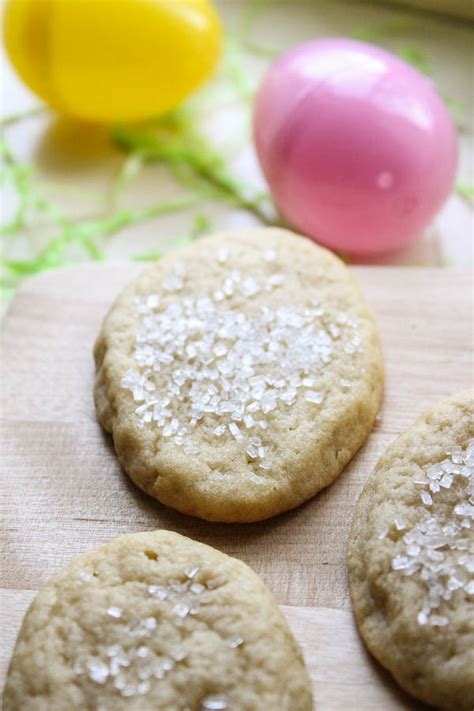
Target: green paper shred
<point>466,191</point>
<point>130,169</point>
<point>417,58</point>
<point>22,116</point>
<point>382,31</point>
<point>87,235</point>
<point>148,257</point>
<point>234,69</point>
<point>202,225</point>
<point>175,141</point>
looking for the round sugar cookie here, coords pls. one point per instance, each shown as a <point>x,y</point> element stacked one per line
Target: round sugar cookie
<point>239,376</point>
<point>156,622</point>
<point>411,557</point>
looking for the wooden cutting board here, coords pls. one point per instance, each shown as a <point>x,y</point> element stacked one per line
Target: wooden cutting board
<point>64,493</point>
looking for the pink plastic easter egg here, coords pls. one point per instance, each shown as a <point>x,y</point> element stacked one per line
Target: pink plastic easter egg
<point>358,149</point>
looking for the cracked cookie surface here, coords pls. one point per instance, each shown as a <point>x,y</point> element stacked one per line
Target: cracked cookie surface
<point>239,376</point>
<point>156,621</point>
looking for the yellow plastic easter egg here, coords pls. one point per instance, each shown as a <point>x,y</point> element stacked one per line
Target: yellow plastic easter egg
<point>112,60</point>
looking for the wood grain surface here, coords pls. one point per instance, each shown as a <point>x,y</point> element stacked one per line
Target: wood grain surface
<point>64,493</point>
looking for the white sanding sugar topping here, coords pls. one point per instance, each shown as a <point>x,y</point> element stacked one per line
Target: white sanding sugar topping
<point>138,657</point>
<point>215,703</point>
<point>439,549</point>
<point>204,362</point>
